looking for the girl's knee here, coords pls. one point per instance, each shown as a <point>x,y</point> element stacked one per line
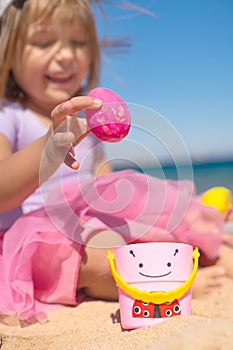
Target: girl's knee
<point>106,239</point>
<point>95,276</point>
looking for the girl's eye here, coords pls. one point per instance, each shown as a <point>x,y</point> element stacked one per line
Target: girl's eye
<point>78,43</point>
<point>42,44</point>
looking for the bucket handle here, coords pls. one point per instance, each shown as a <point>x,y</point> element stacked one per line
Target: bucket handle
<point>154,297</point>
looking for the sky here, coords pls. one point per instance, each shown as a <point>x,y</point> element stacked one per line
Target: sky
<point>177,78</point>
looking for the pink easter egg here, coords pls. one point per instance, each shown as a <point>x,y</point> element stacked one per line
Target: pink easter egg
<point>111,122</point>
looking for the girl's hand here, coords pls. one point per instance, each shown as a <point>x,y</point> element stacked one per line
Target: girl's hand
<point>68,130</point>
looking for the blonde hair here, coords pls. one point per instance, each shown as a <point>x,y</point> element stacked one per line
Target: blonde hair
<point>13,28</point>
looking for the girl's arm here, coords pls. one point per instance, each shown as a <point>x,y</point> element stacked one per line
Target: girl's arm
<point>19,172</point>
<point>22,172</point>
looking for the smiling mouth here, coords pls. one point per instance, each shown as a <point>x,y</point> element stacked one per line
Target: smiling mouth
<point>60,80</point>
<point>150,276</point>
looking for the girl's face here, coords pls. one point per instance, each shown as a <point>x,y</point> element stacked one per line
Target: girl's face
<point>54,62</point>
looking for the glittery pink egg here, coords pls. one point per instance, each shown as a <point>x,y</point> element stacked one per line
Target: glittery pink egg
<point>111,122</point>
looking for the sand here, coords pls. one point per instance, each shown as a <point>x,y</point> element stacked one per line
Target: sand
<point>95,325</point>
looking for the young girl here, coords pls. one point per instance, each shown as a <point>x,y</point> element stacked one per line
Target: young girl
<point>56,224</point>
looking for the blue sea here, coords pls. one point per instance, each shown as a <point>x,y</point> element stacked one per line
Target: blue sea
<point>204,175</point>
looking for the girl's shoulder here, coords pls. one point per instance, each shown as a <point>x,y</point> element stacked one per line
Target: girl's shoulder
<point>19,124</point>
<point>12,118</point>
<point>11,111</point>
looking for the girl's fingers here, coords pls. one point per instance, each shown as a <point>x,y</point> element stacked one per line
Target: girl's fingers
<point>68,130</point>
<point>78,126</point>
<point>73,106</point>
<point>70,161</point>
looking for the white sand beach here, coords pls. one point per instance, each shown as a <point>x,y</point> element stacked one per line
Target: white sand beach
<point>95,325</point>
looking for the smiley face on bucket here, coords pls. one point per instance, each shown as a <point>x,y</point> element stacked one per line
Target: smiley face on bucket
<point>157,263</point>
<point>167,267</point>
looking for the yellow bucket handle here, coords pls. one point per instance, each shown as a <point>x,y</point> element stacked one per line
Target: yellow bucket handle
<point>154,297</point>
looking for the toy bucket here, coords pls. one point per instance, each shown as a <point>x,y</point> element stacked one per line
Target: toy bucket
<point>154,281</point>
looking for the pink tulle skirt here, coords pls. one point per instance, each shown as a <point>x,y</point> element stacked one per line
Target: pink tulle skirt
<point>41,252</point>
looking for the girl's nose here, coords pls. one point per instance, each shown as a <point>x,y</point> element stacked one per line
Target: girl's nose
<point>65,55</point>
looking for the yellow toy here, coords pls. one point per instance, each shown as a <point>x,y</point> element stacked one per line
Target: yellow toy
<point>218,197</point>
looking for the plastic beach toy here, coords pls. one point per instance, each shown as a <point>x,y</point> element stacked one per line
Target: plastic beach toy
<point>154,281</point>
<point>219,197</point>
<point>111,122</point>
